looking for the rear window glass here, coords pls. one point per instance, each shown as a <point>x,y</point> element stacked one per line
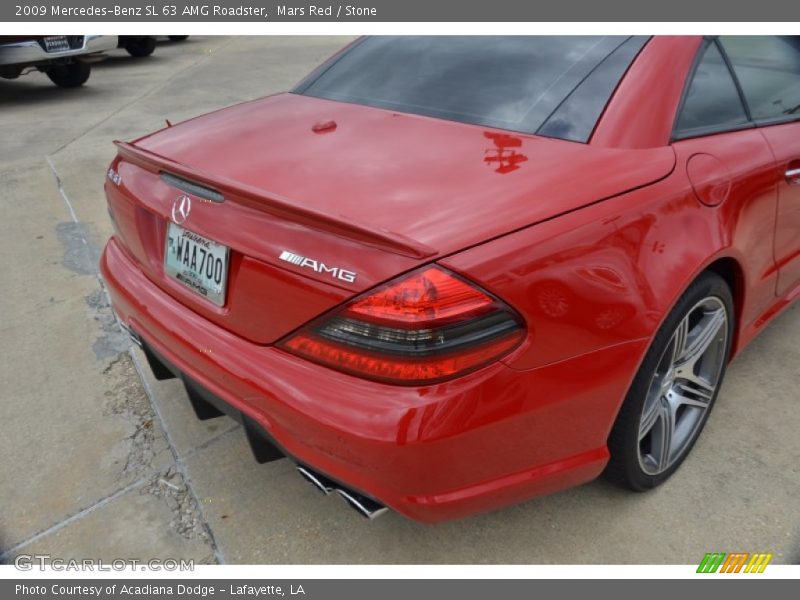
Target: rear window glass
<point>768,69</point>
<point>559,84</point>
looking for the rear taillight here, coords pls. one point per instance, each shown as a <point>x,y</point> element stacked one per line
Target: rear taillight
<point>425,327</point>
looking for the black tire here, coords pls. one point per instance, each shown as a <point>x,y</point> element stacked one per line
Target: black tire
<point>177,38</point>
<point>624,467</point>
<point>141,46</point>
<point>71,75</point>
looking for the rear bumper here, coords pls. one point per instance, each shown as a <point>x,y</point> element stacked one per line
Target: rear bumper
<point>31,52</point>
<point>491,438</point>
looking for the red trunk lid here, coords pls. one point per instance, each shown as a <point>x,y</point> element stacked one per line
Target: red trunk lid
<point>363,189</point>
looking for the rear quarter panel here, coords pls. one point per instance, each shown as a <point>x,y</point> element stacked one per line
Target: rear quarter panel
<point>610,273</point>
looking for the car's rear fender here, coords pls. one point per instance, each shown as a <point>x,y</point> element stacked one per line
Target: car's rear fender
<point>609,273</point>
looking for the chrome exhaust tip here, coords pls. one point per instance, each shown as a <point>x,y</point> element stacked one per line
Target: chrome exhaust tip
<point>131,333</point>
<point>318,481</point>
<point>364,506</point>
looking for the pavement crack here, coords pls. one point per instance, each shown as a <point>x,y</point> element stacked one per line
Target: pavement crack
<point>81,255</point>
<point>125,398</point>
<point>63,193</point>
<point>170,486</point>
<point>189,502</point>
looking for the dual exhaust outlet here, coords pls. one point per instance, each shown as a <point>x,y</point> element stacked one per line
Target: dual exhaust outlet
<point>366,507</point>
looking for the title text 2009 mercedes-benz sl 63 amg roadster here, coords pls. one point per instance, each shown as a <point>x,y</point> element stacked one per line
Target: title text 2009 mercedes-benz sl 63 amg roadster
<point>447,274</point>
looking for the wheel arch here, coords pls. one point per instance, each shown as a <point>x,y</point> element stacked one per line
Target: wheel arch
<point>730,269</point>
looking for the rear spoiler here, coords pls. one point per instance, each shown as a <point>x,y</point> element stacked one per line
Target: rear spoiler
<point>276,205</point>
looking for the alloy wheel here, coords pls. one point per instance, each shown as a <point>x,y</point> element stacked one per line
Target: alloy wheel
<point>683,386</point>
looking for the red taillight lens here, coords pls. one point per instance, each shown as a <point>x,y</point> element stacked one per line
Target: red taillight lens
<point>423,328</point>
<point>426,297</point>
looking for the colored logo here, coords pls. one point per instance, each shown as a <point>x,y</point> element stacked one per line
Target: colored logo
<point>735,562</point>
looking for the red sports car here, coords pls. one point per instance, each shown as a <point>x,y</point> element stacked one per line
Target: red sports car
<point>447,274</point>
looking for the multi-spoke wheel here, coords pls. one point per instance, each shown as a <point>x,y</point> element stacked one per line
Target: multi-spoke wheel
<point>675,388</point>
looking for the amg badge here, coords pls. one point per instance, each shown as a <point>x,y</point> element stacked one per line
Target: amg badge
<point>317,266</point>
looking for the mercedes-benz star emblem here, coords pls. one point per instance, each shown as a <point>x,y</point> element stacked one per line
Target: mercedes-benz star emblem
<point>181,209</point>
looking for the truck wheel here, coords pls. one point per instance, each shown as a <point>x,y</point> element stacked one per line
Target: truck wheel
<point>141,46</point>
<point>71,75</point>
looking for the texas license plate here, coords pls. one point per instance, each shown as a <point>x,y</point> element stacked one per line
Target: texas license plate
<point>197,262</point>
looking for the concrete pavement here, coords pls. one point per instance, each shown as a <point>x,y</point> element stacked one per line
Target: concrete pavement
<point>97,459</point>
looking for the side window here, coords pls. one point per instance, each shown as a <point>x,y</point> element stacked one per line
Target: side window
<point>768,69</point>
<point>712,102</point>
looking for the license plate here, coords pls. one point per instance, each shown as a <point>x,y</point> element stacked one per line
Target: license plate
<point>197,262</point>
<point>56,43</point>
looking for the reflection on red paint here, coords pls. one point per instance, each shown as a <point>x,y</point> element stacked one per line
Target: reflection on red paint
<point>504,155</point>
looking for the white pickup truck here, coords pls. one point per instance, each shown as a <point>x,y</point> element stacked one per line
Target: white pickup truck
<point>65,59</point>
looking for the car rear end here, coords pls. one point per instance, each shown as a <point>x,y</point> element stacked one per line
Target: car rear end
<point>330,373</point>
<point>340,330</point>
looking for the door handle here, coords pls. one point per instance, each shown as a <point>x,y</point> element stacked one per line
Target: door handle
<point>793,176</point>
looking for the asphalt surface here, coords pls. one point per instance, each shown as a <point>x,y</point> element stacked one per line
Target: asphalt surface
<point>98,460</point>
